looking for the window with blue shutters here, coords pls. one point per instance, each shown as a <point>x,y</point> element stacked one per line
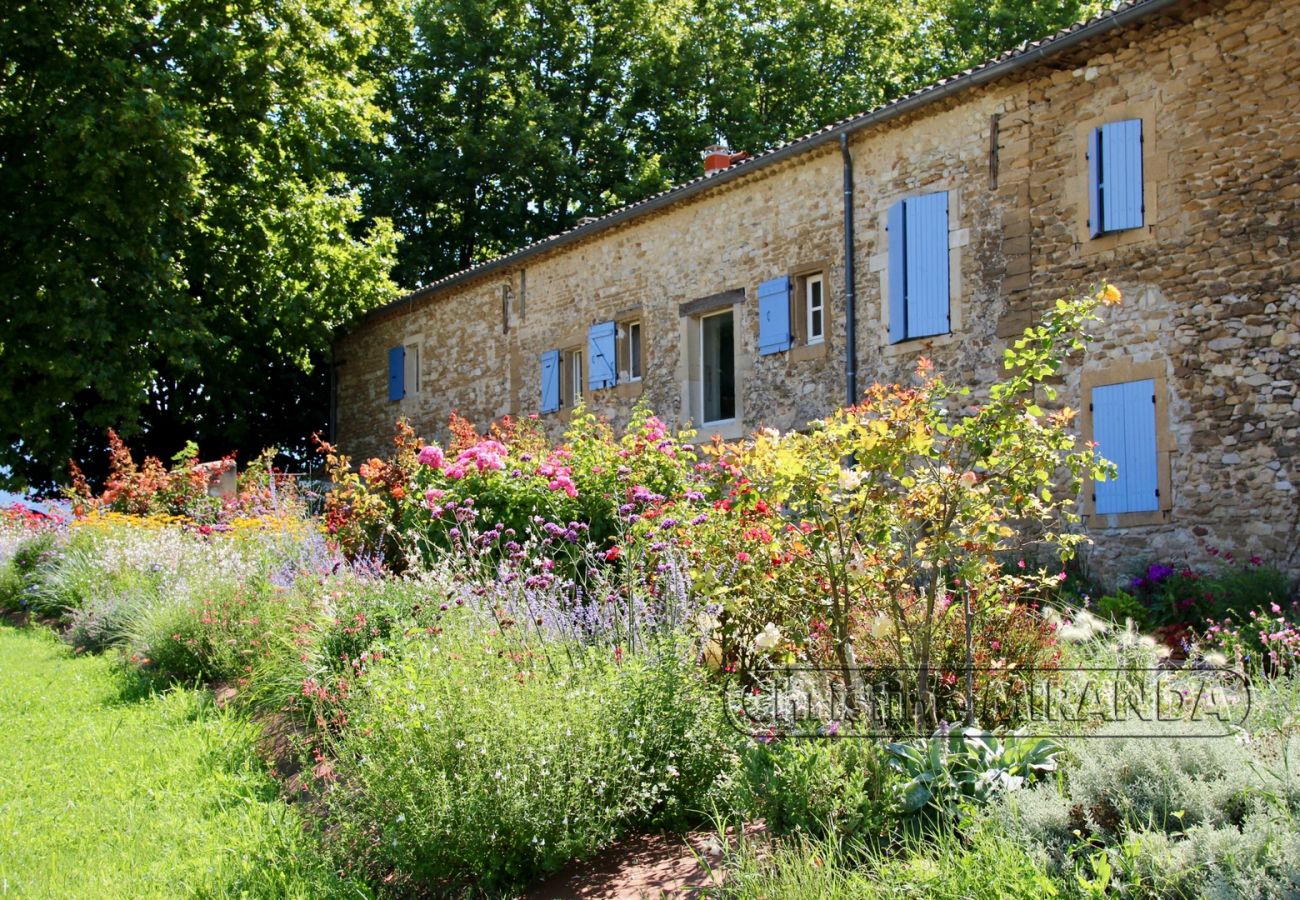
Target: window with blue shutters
<point>550,400</point>
<point>919,283</point>
<point>774,316</point>
<point>396,373</point>
<point>602,359</point>
<point>1124,427</point>
<point>1115,200</point>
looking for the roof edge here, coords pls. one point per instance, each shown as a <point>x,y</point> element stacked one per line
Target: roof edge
<point>1010,62</point>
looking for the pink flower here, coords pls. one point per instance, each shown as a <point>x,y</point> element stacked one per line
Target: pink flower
<point>742,557</point>
<point>432,496</point>
<point>431,456</point>
<point>456,471</point>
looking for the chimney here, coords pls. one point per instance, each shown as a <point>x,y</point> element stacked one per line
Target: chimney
<point>718,158</point>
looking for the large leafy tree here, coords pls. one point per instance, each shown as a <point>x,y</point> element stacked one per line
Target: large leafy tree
<point>179,242</point>
<point>512,120</point>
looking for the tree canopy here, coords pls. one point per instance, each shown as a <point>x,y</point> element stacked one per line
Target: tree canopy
<point>195,194</point>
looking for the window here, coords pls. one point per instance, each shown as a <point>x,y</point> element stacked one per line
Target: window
<point>572,391</point>
<point>403,371</point>
<point>717,367</point>
<point>1124,427</point>
<point>412,369</point>
<point>814,309</point>
<point>629,351</point>
<point>1115,177</point>
<point>919,284</point>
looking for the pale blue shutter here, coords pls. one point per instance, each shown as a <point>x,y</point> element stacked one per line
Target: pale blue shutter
<point>1121,165</point>
<point>1124,427</point>
<point>550,381</point>
<point>896,226</point>
<point>1094,182</point>
<point>396,373</point>
<point>601,372</point>
<point>774,315</point>
<point>927,265</point>
<point>1143,484</point>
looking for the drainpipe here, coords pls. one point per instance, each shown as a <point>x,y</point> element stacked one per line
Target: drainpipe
<point>850,291</point>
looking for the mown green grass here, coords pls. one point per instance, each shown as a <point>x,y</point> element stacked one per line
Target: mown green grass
<point>110,792</point>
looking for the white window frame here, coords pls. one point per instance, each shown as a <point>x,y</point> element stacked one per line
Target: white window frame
<point>411,369</point>
<point>818,279</point>
<point>709,423</point>
<point>573,368</point>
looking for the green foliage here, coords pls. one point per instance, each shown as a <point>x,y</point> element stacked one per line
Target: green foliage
<point>467,760</point>
<point>1170,815</point>
<point>906,542</point>
<point>1121,606</point>
<point>21,575</point>
<point>187,243</point>
<point>843,788</point>
<point>513,120</point>
<point>963,766</point>
<point>424,501</point>
<point>979,863</point>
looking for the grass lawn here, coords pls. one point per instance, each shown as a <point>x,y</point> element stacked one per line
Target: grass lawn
<point>106,794</point>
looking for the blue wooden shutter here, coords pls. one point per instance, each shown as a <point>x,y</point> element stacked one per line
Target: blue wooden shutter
<point>550,381</point>
<point>1121,167</point>
<point>927,265</point>
<point>774,315</point>
<point>896,226</point>
<point>1094,182</point>
<point>396,373</point>
<point>1124,427</point>
<point>601,371</point>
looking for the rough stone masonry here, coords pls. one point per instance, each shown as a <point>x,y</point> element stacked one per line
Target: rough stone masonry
<point>1210,323</point>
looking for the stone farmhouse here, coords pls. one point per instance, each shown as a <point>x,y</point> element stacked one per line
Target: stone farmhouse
<point>1156,146</point>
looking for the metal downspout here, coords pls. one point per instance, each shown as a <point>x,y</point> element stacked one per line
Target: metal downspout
<point>850,281</point>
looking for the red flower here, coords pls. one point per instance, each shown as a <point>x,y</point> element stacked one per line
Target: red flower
<point>613,553</point>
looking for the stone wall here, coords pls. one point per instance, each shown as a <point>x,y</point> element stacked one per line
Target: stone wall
<point>1212,297</point>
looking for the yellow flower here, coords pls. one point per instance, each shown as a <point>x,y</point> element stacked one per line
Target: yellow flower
<point>1110,295</point>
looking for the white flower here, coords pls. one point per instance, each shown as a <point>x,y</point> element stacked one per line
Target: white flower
<point>881,626</point>
<point>849,479</point>
<point>768,638</point>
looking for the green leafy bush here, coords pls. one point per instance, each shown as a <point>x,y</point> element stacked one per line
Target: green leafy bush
<point>1175,814</point>
<point>22,575</point>
<point>823,787</point>
<point>1122,606</point>
<point>472,757</point>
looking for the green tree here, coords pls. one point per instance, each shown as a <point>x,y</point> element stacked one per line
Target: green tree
<point>513,120</point>
<point>179,241</point>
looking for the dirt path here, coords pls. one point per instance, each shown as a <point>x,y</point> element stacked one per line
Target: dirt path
<point>644,866</point>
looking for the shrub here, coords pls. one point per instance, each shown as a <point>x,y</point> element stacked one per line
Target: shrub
<point>844,788</point>
<point>1266,639</point>
<point>883,561</point>
<point>1184,595</point>
<point>22,575</point>
<point>410,507</point>
<point>469,757</point>
<point>217,634</point>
